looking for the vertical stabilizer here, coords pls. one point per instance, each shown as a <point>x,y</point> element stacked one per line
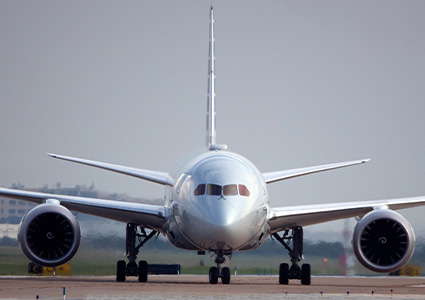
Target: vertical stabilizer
<point>211,118</point>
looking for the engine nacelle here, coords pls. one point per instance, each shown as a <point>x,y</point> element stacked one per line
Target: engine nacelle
<point>383,241</point>
<point>49,235</point>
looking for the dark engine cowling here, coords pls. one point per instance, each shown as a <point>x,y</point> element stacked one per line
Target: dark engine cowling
<point>383,241</point>
<point>49,235</point>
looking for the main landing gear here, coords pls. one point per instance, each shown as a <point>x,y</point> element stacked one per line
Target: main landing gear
<point>219,272</point>
<point>296,254</point>
<point>132,269</point>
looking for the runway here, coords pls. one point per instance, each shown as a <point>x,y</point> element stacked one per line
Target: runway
<point>197,287</point>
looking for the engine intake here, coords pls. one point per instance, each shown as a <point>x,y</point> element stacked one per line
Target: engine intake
<point>49,234</point>
<point>383,241</point>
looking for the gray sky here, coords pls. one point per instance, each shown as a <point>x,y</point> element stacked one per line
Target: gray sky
<point>298,83</point>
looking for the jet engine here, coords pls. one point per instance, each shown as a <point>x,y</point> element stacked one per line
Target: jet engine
<point>49,234</point>
<point>383,241</point>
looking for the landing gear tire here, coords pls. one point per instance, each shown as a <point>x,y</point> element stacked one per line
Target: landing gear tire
<point>225,275</point>
<point>296,255</point>
<point>121,266</point>
<point>143,271</point>
<point>284,273</point>
<point>305,274</point>
<point>213,275</point>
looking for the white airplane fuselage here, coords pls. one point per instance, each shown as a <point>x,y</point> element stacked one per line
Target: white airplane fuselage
<point>219,202</point>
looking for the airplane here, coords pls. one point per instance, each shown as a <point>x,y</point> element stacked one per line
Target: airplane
<point>216,201</point>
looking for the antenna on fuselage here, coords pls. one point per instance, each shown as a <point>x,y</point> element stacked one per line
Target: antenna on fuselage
<point>211,114</point>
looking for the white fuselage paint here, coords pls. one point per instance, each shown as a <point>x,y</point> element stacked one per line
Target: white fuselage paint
<point>217,222</point>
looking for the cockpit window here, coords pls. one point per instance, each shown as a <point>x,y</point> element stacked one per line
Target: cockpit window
<point>218,190</point>
<point>200,190</point>
<point>230,190</point>
<point>213,189</point>
<point>243,190</point>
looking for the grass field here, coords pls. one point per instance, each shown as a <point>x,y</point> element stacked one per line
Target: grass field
<point>103,262</point>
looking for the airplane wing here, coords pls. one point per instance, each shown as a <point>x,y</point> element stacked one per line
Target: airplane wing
<point>281,218</point>
<point>282,175</point>
<point>153,176</point>
<point>146,215</point>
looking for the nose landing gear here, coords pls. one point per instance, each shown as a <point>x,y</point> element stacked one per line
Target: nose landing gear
<point>219,272</point>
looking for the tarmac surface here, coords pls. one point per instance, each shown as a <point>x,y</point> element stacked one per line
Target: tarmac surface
<point>197,287</point>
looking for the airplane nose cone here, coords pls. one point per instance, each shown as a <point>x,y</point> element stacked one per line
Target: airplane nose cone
<point>222,230</point>
<point>222,214</point>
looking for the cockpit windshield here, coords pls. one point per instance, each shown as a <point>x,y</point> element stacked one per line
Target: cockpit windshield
<point>230,190</point>
<point>213,189</point>
<point>243,190</point>
<point>218,190</point>
<point>200,190</point>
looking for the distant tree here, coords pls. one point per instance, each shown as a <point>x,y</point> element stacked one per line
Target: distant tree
<point>323,249</point>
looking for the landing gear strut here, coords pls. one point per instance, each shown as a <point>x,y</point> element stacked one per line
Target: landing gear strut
<point>296,255</point>
<point>131,268</point>
<point>219,272</point>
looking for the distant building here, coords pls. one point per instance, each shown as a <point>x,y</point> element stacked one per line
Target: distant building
<point>14,208</point>
<point>12,211</point>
